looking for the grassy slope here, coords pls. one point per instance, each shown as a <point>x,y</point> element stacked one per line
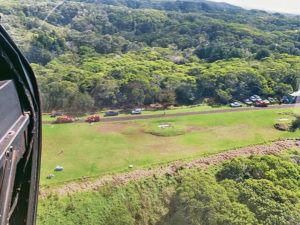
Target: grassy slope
<point>153,200</point>
<point>86,150</point>
<point>146,199</point>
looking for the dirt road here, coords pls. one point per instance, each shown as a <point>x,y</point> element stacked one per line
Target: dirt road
<point>171,169</point>
<point>142,117</point>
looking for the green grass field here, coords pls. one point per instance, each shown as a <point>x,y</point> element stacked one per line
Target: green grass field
<point>102,148</point>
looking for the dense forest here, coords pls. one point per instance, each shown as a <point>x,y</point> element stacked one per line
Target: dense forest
<point>259,190</point>
<point>94,54</point>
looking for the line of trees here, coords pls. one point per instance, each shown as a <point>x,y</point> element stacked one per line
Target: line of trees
<point>155,75</point>
<point>124,53</point>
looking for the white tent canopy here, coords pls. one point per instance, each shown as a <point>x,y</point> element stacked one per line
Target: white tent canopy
<point>296,94</point>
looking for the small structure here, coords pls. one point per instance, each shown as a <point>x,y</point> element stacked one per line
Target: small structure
<point>296,94</point>
<point>163,126</point>
<point>58,168</point>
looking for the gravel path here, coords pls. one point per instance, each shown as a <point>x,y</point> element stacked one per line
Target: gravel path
<point>141,117</point>
<point>89,185</point>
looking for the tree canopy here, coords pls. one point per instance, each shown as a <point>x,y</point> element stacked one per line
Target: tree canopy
<point>126,53</point>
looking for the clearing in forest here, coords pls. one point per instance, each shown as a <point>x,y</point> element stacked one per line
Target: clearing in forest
<point>105,148</point>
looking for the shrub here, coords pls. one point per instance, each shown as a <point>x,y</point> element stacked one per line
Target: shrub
<point>296,124</point>
<point>282,126</point>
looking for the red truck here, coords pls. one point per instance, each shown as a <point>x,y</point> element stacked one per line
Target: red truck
<point>92,118</point>
<point>261,104</point>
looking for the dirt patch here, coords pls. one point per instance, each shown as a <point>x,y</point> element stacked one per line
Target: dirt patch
<point>166,146</point>
<point>196,129</point>
<point>123,178</point>
<point>114,127</point>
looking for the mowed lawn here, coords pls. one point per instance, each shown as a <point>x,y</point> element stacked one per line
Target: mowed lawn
<point>103,148</point>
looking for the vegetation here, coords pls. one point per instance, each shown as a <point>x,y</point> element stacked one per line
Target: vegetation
<point>149,76</point>
<point>296,124</point>
<point>93,147</point>
<point>89,55</point>
<point>258,190</point>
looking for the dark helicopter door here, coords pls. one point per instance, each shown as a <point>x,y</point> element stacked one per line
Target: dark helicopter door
<point>20,136</point>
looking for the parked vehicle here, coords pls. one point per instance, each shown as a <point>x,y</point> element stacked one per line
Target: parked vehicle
<point>235,104</point>
<point>56,113</point>
<point>136,111</point>
<point>252,98</point>
<point>111,113</point>
<point>293,100</point>
<point>248,102</point>
<point>255,98</point>
<point>261,104</point>
<point>272,100</point>
<point>92,119</point>
<point>284,100</point>
<point>266,101</point>
<point>64,119</point>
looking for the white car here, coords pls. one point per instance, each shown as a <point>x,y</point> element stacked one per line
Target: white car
<point>255,98</point>
<point>136,111</point>
<point>248,102</point>
<point>235,104</point>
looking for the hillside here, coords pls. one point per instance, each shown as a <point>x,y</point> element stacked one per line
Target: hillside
<point>125,53</point>
<point>228,167</point>
<point>260,190</point>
